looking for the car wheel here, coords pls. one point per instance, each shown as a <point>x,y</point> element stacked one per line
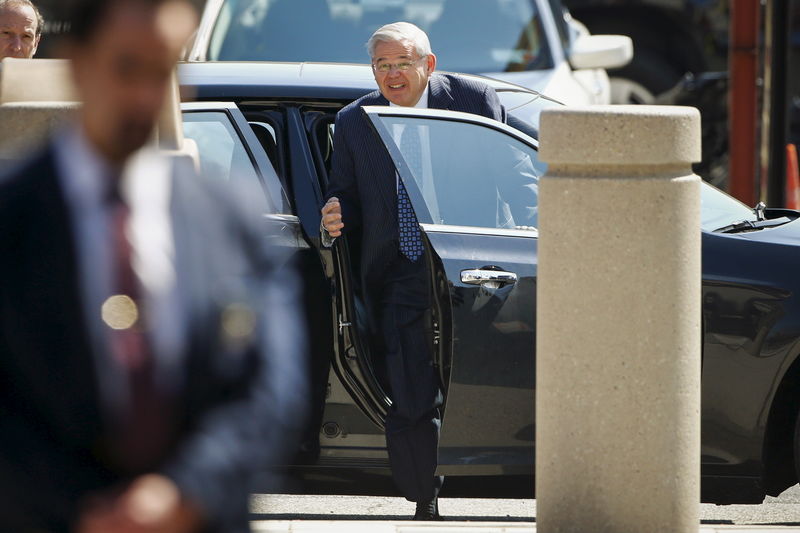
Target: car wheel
<point>627,91</point>
<point>643,79</point>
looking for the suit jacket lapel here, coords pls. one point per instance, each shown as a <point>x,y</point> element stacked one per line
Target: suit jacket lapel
<point>187,235</point>
<point>53,301</point>
<point>439,97</point>
<point>62,251</point>
<point>381,160</point>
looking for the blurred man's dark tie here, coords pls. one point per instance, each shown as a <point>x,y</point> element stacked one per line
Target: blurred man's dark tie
<point>142,432</point>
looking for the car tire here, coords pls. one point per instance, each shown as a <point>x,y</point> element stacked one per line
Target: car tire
<point>643,79</point>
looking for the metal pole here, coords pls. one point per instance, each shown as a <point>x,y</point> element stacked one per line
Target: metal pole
<point>743,98</point>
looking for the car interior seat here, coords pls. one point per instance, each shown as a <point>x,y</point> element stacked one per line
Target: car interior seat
<point>268,143</point>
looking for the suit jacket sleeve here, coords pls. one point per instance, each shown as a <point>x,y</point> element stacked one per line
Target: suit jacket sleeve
<point>38,472</point>
<point>342,181</point>
<point>494,109</point>
<point>255,419</point>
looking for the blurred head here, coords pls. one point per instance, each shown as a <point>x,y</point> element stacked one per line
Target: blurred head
<point>123,56</point>
<point>402,62</point>
<point>20,28</point>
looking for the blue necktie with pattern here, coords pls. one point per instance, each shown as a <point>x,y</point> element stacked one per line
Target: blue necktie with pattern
<point>410,236</point>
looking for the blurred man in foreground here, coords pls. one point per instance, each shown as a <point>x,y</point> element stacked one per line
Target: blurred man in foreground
<point>20,29</point>
<point>140,383</point>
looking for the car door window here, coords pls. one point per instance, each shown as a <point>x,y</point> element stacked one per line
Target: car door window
<point>223,156</point>
<point>269,141</point>
<point>470,174</point>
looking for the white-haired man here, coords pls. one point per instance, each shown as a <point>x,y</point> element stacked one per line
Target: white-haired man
<point>20,29</point>
<point>363,197</point>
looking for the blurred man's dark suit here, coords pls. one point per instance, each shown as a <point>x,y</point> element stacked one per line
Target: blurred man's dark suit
<point>364,180</point>
<point>235,380</point>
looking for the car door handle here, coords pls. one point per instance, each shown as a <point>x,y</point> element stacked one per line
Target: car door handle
<point>479,276</point>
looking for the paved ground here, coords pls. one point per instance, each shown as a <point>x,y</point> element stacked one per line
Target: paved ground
<point>451,527</point>
<point>781,511</point>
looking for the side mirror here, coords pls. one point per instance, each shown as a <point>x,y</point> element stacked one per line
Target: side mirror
<point>601,51</point>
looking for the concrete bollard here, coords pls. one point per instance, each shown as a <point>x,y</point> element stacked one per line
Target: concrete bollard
<point>618,321</point>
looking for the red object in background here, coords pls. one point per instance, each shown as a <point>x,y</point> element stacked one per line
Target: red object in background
<point>792,178</point>
<point>742,103</point>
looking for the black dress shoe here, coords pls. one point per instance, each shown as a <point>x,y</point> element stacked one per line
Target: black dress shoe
<point>428,510</point>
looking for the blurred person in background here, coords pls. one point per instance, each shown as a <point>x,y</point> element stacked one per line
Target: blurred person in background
<point>150,347</point>
<point>21,27</point>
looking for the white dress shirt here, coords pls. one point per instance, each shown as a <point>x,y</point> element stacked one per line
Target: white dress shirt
<point>424,182</point>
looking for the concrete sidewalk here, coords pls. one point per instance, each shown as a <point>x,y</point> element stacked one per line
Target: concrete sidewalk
<point>367,526</point>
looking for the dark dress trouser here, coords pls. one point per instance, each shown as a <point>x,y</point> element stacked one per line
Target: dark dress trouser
<point>414,420</point>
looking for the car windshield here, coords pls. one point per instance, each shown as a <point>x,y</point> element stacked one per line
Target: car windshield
<point>720,209</point>
<point>475,36</point>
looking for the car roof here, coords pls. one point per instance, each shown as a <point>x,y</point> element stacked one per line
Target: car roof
<point>278,80</point>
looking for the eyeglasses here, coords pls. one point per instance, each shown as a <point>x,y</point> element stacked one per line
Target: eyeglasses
<point>385,68</point>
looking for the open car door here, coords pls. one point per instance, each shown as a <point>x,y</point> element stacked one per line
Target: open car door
<point>476,196</point>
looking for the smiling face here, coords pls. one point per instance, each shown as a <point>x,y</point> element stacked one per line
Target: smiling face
<point>18,31</point>
<point>402,87</point>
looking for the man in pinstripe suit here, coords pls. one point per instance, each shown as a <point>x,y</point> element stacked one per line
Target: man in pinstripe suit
<point>363,196</point>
